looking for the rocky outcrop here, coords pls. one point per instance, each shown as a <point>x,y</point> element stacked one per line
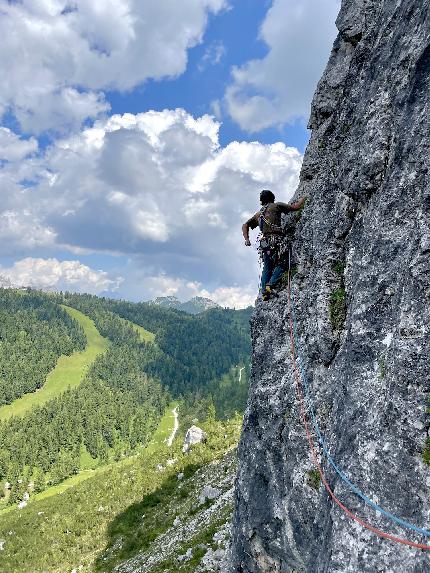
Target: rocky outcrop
<point>194,435</point>
<point>361,294</point>
<point>200,524</point>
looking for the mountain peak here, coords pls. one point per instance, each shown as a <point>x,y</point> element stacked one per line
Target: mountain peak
<point>195,305</point>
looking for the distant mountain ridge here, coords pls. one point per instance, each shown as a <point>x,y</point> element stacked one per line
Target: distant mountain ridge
<point>196,305</point>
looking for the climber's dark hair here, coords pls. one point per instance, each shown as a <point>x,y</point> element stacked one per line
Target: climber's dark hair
<point>267,196</point>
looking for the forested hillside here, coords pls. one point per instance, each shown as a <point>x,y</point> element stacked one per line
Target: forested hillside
<point>196,359</point>
<point>191,351</point>
<point>121,511</point>
<point>34,332</point>
<point>49,444</point>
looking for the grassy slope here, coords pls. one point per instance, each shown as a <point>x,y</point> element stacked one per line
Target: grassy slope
<point>69,371</point>
<point>145,335</point>
<point>163,431</point>
<point>64,531</point>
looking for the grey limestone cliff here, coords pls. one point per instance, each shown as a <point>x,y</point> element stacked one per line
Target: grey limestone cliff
<point>362,294</point>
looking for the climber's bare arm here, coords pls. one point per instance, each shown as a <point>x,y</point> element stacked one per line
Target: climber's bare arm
<point>245,233</point>
<point>296,206</point>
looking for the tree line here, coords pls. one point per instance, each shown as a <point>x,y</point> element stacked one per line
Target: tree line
<point>115,410</point>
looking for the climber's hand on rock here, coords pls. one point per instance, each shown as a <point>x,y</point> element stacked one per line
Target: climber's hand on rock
<point>248,243</point>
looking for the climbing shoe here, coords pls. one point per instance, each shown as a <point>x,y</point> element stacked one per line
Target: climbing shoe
<point>268,292</point>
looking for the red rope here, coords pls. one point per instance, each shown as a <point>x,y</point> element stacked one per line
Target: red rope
<point>314,455</point>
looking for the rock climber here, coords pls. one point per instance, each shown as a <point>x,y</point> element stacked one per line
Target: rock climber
<point>272,248</point>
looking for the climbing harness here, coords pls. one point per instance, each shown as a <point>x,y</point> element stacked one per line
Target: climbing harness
<point>302,398</point>
<point>274,246</point>
<point>272,243</point>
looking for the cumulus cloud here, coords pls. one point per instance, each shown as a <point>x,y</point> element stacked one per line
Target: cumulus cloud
<point>59,56</point>
<point>13,148</point>
<point>278,88</point>
<point>21,231</point>
<point>51,274</point>
<point>232,297</point>
<point>156,187</point>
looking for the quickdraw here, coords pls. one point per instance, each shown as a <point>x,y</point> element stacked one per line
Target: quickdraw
<point>272,245</point>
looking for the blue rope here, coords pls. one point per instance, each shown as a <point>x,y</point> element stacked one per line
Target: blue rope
<point>340,473</point>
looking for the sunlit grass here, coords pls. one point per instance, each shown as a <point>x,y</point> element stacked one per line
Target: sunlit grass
<point>69,371</point>
<point>72,529</point>
<point>163,431</point>
<point>145,335</point>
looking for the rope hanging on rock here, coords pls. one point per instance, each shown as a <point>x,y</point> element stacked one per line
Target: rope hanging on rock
<point>303,415</point>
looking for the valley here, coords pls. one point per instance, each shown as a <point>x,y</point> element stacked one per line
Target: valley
<point>101,438</point>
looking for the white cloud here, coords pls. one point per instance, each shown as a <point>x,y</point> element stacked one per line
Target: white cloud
<point>156,187</point>
<point>59,55</point>
<point>20,231</point>
<point>58,110</point>
<point>212,56</point>
<point>278,88</point>
<point>12,148</point>
<point>52,274</point>
<point>233,297</point>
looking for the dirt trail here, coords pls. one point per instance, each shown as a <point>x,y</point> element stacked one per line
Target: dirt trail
<point>175,427</point>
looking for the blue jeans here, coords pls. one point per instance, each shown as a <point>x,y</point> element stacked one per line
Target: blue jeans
<point>271,272</point>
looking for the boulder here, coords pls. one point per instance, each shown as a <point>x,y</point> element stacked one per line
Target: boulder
<point>209,492</point>
<point>194,435</point>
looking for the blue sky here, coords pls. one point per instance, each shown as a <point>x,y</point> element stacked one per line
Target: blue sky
<point>236,30</point>
<point>135,137</point>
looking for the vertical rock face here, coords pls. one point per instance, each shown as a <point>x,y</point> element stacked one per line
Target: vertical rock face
<point>362,302</point>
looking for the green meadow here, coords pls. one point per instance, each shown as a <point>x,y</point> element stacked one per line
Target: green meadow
<point>64,530</point>
<point>163,431</point>
<point>69,371</point>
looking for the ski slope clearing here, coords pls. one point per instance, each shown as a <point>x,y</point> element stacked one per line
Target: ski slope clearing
<point>165,430</point>
<point>69,371</point>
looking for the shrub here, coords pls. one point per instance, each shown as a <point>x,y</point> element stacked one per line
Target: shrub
<point>314,479</point>
<point>337,309</point>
